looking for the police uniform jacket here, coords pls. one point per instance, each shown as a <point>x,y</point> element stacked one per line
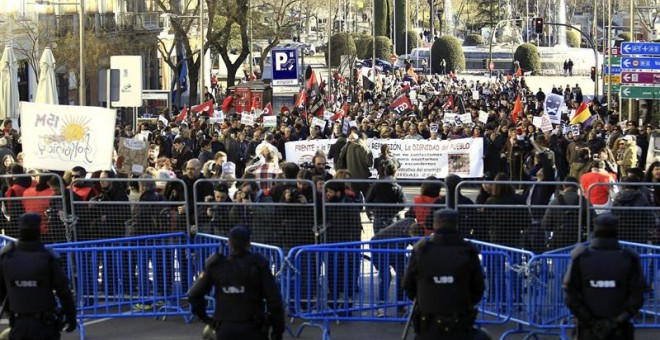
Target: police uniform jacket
<point>603,281</point>
<point>241,283</point>
<point>28,275</point>
<point>445,275</point>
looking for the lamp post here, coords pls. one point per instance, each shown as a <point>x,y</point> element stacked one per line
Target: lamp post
<point>82,87</point>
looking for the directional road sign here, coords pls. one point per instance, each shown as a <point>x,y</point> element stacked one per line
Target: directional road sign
<point>649,78</point>
<point>640,63</point>
<point>614,78</point>
<point>615,69</point>
<point>640,92</point>
<point>616,61</point>
<point>647,48</point>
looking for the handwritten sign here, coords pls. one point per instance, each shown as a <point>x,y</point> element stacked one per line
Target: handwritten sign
<point>247,118</point>
<point>132,155</point>
<point>270,121</point>
<point>59,137</point>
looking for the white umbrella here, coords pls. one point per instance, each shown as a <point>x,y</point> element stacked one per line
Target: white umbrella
<point>8,84</point>
<point>47,88</point>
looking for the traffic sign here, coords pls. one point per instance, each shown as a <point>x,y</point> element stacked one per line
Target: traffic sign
<point>650,78</point>
<point>615,88</point>
<point>393,58</point>
<point>615,69</point>
<point>640,92</point>
<point>640,63</point>
<point>614,78</point>
<point>616,61</point>
<point>612,51</point>
<point>647,48</point>
<point>285,66</point>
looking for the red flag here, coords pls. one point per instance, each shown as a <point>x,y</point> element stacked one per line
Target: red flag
<point>581,114</point>
<point>449,104</point>
<point>517,109</point>
<point>204,107</point>
<point>268,110</point>
<point>401,105</point>
<point>312,83</point>
<point>342,113</point>
<point>519,72</point>
<point>253,106</point>
<point>227,104</point>
<point>301,99</point>
<point>182,116</point>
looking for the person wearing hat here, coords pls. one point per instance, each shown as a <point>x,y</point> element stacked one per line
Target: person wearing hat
<point>445,268</point>
<point>29,273</point>
<point>242,282</point>
<point>604,286</point>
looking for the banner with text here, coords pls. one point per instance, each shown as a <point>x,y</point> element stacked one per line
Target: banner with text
<point>59,137</point>
<point>419,158</point>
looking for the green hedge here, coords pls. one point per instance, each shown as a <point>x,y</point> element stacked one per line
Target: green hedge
<point>473,40</point>
<point>362,45</point>
<point>383,48</point>
<point>450,49</point>
<point>529,58</point>
<point>340,44</point>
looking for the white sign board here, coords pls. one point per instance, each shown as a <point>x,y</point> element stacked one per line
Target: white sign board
<point>418,158</point>
<point>130,80</point>
<point>59,137</point>
<point>270,121</point>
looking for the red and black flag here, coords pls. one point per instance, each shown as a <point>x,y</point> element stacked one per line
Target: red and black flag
<point>401,105</point>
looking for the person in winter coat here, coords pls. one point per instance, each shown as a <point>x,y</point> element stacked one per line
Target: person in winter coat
<point>506,225</point>
<point>359,161</point>
<point>389,193</point>
<point>429,193</point>
<point>634,224</point>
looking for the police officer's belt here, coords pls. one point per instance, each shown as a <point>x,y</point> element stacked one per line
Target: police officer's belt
<point>36,316</point>
<point>445,323</point>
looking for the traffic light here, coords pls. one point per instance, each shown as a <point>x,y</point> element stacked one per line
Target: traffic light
<point>538,25</point>
<point>593,73</point>
<point>483,64</point>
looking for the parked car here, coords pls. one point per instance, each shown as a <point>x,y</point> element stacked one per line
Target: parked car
<point>381,64</point>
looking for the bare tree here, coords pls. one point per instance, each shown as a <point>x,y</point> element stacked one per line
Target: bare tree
<point>34,37</point>
<point>232,33</point>
<point>183,16</point>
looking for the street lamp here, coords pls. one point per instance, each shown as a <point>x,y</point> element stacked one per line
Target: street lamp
<point>82,87</point>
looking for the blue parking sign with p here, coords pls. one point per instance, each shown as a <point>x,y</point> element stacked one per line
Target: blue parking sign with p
<point>285,66</point>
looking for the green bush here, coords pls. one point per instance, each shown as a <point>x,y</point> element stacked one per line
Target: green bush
<point>382,17</point>
<point>362,43</point>
<point>340,44</point>
<point>413,40</point>
<point>625,36</point>
<point>529,58</point>
<point>400,26</point>
<point>383,48</point>
<point>573,38</point>
<point>449,49</point>
<point>473,40</point>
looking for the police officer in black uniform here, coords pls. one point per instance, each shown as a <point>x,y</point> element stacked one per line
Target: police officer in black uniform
<point>242,282</point>
<point>445,276</point>
<point>604,286</point>
<point>28,275</point>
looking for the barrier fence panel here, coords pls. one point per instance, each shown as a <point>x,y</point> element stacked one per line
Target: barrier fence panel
<point>284,214</point>
<point>633,204</point>
<point>129,277</point>
<point>356,210</point>
<point>540,218</point>
<point>41,194</point>
<point>362,281</point>
<point>113,208</point>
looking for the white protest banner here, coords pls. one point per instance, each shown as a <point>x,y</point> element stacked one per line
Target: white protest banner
<point>318,122</point>
<point>553,105</point>
<point>214,120</point>
<point>247,118</point>
<point>546,124</point>
<point>132,156</point>
<point>537,121</point>
<point>352,123</point>
<point>575,129</point>
<point>418,158</point>
<point>475,94</point>
<point>327,114</point>
<point>483,117</point>
<point>219,115</point>
<point>270,121</point>
<point>59,137</point>
<point>465,117</point>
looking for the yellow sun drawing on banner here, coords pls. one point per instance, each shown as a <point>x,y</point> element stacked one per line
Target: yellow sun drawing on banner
<point>74,128</point>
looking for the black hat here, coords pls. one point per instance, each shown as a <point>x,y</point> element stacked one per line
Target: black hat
<point>445,216</point>
<point>30,221</point>
<point>239,234</point>
<point>605,225</point>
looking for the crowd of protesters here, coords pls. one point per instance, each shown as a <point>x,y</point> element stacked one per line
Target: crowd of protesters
<point>246,164</point>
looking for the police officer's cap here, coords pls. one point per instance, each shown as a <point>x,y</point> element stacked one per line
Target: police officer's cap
<point>605,225</point>
<point>30,221</point>
<point>445,216</point>
<point>239,234</point>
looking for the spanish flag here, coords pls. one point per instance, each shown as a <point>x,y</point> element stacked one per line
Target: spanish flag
<point>410,75</point>
<point>581,114</point>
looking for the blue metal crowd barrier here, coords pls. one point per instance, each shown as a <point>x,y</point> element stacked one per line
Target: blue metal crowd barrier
<point>361,281</point>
